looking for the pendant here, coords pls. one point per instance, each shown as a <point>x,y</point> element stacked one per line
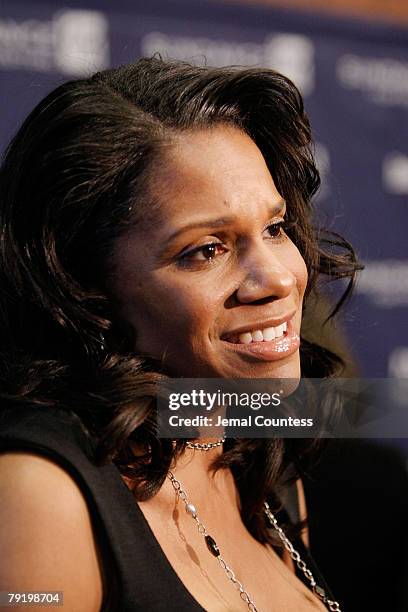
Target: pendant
<point>212,546</point>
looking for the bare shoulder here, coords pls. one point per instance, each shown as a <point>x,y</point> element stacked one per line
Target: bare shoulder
<point>46,533</point>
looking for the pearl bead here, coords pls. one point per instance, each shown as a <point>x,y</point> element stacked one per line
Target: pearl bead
<point>190,509</point>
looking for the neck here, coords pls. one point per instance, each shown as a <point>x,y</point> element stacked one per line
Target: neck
<point>198,458</point>
<point>200,483</point>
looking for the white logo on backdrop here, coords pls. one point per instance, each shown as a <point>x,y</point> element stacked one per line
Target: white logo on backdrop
<point>74,42</point>
<point>26,44</point>
<point>398,369</point>
<point>383,80</point>
<point>291,54</point>
<point>385,282</point>
<point>81,41</point>
<point>398,362</point>
<point>395,173</point>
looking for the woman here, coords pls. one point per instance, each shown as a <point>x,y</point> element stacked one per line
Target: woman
<point>156,222</point>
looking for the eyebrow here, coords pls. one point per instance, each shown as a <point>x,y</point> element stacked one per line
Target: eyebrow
<point>221,221</point>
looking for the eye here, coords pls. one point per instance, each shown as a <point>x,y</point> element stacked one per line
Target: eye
<point>206,252</point>
<point>276,230</point>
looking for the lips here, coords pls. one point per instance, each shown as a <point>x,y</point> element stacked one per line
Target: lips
<point>265,349</point>
<point>268,329</point>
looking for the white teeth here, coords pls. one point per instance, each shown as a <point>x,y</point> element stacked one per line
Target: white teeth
<point>269,333</point>
<point>245,338</point>
<point>279,331</point>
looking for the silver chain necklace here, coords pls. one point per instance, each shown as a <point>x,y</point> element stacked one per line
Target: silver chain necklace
<point>333,606</point>
<point>205,446</point>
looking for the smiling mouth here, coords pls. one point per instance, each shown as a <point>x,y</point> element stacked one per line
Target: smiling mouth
<point>268,344</point>
<point>259,335</point>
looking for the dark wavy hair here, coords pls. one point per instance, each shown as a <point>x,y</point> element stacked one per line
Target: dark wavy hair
<point>70,177</point>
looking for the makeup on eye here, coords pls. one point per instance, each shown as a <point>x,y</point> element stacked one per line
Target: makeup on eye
<point>276,211</point>
<point>207,252</point>
<point>279,227</point>
<point>209,249</point>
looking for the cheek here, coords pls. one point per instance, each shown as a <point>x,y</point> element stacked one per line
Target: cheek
<point>196,310</point>
<point>166,310</point>
<point>299,270</point>
<point>302,277</point>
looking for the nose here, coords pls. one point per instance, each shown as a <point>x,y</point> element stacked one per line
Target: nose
<point>265,276</point>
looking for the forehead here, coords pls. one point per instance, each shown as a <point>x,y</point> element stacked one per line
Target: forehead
<point>213,170</point>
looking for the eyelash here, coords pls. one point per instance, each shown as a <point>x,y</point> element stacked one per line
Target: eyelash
<point>187,259</point>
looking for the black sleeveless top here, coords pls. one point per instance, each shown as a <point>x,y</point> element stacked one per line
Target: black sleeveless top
<point>136,572</point>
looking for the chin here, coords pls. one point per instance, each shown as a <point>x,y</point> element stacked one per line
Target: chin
<point>285,368</point>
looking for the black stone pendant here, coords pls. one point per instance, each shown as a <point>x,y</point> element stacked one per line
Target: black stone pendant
<point>212,546</point>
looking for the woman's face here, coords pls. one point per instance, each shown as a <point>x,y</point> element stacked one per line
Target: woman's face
<point>208,279</point>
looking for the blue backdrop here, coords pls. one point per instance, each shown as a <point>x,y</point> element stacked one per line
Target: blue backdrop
<point>354,78</point>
